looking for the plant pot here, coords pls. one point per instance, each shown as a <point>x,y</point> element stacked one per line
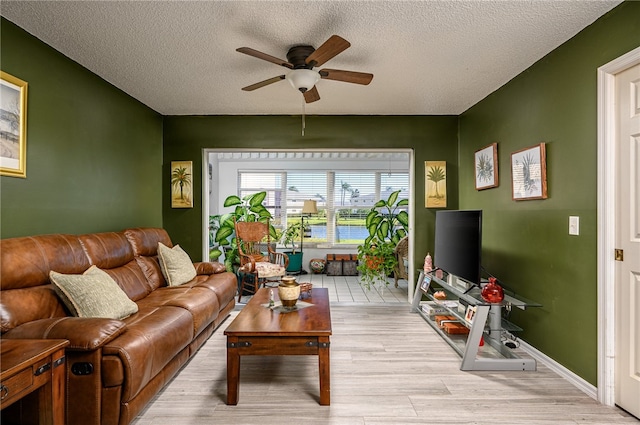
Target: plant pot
<point>374,263</point>
<point>295,262</point>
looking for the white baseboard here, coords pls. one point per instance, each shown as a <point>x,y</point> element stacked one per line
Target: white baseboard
<point>574,379</point>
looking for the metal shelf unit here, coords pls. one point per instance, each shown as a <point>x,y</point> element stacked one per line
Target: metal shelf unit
<point>487,324</point>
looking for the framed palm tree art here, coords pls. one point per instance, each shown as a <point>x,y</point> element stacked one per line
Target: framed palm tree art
<point>435,184</point>
<point>181,184</point>
<point>529,173</point>
<point>486,167</point>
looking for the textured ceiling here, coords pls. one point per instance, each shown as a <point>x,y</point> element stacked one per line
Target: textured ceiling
<point>427,57</point>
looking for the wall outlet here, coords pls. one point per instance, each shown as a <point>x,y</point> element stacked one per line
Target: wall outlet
<point>574,225</point>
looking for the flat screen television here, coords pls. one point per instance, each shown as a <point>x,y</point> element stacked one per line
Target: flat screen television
<point>458,243</point>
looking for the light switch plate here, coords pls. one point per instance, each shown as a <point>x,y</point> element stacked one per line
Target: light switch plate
<point>574,225</point>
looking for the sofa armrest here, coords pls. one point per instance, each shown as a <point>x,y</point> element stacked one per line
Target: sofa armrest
<point>209,267</point>
<point>84,334</point>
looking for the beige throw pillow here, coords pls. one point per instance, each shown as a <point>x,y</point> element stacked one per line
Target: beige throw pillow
<point>93,294</point>
<point>176,265</point>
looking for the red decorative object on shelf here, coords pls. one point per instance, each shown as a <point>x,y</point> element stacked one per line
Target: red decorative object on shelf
<point>492,292</point>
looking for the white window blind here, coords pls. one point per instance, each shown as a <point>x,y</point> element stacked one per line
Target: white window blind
<point>343,198</point>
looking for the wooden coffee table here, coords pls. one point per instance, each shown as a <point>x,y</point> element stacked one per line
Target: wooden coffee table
<point>260,331</point>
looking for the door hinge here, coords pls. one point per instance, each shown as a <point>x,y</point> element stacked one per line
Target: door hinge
<point>619,254</point>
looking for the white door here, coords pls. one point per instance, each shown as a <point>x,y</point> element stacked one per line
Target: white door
<point>627,322</point>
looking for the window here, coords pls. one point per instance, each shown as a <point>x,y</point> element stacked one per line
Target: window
<point>272,183</point>
<point>343,197</point>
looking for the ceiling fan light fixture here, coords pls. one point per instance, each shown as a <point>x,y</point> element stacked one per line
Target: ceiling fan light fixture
<point>303,79</point>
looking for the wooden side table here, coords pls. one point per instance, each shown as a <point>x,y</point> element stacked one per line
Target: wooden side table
<point>33,371</point>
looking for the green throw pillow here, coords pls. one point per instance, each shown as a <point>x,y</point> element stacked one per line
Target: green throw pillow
<point>176,265</point>
<point>93,294</point>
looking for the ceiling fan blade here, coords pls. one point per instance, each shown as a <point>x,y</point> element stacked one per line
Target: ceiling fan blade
<point>256,54</point>
<point>264,83</point>
<point>330,48</point>
<point>346,76</point>
<point>311,95</point>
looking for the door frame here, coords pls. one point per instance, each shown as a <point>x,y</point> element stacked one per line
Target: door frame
<point>207,193</point>
<point>607,222</point>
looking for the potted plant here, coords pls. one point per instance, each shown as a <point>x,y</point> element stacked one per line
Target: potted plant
<point>290,236</point>
<point>375,262</point>
<point>215,250</point>
<point>387,223</point>
<point>248,208</point>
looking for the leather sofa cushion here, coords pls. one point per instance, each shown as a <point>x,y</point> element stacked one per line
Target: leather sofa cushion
<point>112,252</point>
<point>83,333</point>
<point>18,306</point>
<point>145,240</point>
<point>132,279</point>
<point>151,270</point>
<point>201,303</point>
<point>27,261</point>
<point>224,285</point>
<point>209,267</point>
<point>153,337</point>
<point>107,250</point>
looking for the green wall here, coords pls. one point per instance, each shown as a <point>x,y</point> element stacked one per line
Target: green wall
<point>526,243</point>
<point>94,154</point>
<point>431,138</point>
<point>99,160</point>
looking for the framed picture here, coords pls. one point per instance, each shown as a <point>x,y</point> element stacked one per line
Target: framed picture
<point>529,173</point>
<point>181,184</point>
<point>426,281</point>
<point>470,314</point>
<point>13,126</point>
<point>486,167</point>
<point>435,177</point>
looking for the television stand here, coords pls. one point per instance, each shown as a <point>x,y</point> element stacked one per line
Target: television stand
<point>483,320</point>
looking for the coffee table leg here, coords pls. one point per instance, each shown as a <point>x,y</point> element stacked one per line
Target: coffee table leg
<point>324,371</point>
<point>233,371</point>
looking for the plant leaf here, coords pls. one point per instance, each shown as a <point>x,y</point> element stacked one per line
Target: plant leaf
<point>383,230</point>
<point>257,199</point>
<point>403,218</point>
<point>264,213</point>
<point>372,214</point>
<point>232,200</point>
<point>393,197</point>
<point>214,254</point>
<point>223,233</point>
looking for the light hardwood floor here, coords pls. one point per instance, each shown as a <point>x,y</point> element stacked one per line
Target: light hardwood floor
<point>387,367</point>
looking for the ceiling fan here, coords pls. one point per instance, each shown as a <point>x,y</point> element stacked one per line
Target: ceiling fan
<point>301,60</point>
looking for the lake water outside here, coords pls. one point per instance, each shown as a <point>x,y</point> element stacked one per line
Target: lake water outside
<point>342,232</point>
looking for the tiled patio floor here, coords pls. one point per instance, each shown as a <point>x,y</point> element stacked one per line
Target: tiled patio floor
<point>346,289</point>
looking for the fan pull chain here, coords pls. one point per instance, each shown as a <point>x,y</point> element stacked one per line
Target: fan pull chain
<point>303,114</point>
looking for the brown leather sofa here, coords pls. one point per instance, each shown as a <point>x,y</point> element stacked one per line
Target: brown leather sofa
<point>114,367</point>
